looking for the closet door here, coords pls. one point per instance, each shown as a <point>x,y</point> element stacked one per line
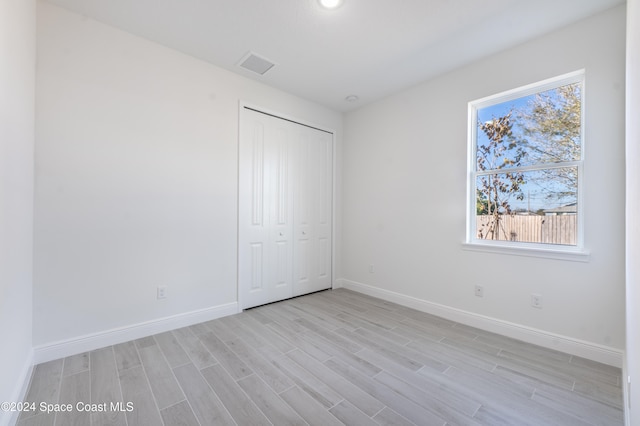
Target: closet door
<point>265,205</point>
<point>285,195</point>
<point>312,213</point>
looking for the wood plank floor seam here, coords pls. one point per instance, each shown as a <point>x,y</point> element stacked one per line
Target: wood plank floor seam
<point>120,383</point>
<point>155,400</point>
<point>59,390</point>
<point>147,380</point>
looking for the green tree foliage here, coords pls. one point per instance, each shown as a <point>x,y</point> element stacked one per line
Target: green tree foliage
<point>482,203</point>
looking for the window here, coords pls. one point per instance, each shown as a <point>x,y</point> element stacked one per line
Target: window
<point>525,166</point>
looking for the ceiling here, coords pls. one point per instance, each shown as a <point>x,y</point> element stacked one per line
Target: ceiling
<point>367,48</point>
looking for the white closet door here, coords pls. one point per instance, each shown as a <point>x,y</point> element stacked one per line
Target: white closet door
<point>312,212</point>
<point>285,195</point>
<point>265,210</point>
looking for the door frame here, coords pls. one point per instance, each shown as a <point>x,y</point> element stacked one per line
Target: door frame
<point>244,105</point>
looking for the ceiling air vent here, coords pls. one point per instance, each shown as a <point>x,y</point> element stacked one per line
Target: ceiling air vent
<point>255,63</point>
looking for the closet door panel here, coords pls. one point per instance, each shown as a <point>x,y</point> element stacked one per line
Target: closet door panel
<point>281,210</point>
<point>325,207</point>
<point>312,211</point>
<point>252,215</point>
<point>265,210</point>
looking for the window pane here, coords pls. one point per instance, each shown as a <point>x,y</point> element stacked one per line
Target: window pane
<point>535,207</point>
<point>541,128</point>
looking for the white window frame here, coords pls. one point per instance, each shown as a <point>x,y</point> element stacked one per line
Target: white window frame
<point>563,252</point>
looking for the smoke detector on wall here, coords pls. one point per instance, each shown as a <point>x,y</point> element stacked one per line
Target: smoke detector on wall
<point>255,63</point>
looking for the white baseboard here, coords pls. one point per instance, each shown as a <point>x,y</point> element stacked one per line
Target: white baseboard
<point>592,351</point>
<point>20,392</point>
<point>114,336</point>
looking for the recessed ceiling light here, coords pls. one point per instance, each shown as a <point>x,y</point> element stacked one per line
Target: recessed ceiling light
<point>330,4</point>
<point>352,98</point>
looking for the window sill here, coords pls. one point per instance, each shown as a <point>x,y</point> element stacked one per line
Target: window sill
<point>573,255</point>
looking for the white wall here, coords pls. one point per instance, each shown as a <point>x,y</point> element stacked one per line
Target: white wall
<point>404,193</point>
<point>17,85</point>
<point>136,177</point>
<point>633,206</point>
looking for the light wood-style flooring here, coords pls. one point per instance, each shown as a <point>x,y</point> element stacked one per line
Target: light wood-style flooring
<point>330,358</point>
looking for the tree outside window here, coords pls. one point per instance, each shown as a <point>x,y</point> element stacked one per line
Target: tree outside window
<point>526,161</point>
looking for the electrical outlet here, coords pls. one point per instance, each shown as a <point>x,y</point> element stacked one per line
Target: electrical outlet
<point>536,300</point>
<point>371,269</point>
<point>479,291</point>
<point>162,292</point>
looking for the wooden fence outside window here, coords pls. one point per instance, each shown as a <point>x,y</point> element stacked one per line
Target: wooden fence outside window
<point>553,229</point>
